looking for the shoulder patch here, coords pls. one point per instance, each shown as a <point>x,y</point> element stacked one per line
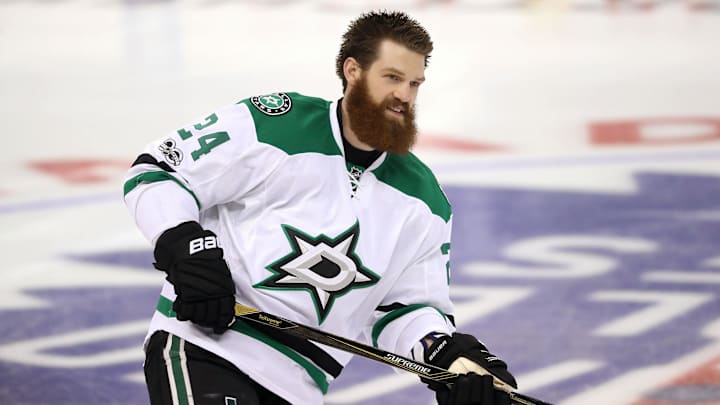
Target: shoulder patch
<point>272,104</point>
<point>170,152</point>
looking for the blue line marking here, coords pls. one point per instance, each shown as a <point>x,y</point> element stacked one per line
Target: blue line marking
<point>40,205</point>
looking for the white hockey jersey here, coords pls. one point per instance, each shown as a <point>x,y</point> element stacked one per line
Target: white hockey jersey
<point>367,261</point>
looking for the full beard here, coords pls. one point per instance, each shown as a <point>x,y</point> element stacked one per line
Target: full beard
<point>369,121</point>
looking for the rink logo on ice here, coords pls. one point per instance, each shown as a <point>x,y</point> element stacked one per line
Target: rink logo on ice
<point>325,267</point>
<point>603,286</point>
<point>579,289</point>
<point>272,104</point>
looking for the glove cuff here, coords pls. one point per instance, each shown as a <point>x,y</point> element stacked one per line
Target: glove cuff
<point>448,348</point>
<point>166,246</point>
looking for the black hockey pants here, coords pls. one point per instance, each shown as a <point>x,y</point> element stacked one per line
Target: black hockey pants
<point>179,373</point>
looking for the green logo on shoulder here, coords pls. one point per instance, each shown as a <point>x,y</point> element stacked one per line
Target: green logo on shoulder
<point>272,104</point>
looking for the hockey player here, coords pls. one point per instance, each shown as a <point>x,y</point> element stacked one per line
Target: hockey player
<point>311,210</point>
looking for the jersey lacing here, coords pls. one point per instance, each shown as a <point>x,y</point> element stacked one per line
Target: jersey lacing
<point>354,176</point>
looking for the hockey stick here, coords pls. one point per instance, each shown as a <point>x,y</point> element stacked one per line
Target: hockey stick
<point>422,369</point>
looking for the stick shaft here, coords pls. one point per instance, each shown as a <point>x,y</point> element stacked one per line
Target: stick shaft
<point>424,370</point>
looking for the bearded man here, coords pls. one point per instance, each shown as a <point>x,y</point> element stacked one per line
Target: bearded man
<point>312,210</point>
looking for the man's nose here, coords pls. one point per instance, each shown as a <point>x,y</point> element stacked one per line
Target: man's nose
<point>403,93</point>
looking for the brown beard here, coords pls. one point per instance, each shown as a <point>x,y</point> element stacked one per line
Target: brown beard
<point>370,124</point>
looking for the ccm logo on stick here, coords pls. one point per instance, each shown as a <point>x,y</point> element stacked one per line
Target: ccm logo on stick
<point>207,242</point>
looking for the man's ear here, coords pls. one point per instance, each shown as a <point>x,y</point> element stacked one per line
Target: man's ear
<point>352,70</point>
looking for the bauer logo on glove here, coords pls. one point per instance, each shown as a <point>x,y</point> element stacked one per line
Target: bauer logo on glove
<point>208,242</point>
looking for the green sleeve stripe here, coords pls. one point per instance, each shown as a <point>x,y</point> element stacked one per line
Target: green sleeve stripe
<point>164,306</point>
<point>152,177</point>
<point>393,315</point>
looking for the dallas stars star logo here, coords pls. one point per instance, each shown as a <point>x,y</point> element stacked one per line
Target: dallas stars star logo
<point>272,104</point>
<point>325,267</point>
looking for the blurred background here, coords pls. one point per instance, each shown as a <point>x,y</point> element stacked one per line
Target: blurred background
<point>578,141</point>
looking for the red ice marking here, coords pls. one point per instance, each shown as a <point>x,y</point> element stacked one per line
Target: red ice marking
<point>655,131</point>
<point>704,376</point>
<point>708,373</point>
<point>446,143</point>
<point>82,170</point>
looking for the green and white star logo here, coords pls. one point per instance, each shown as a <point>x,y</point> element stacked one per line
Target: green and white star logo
<point>272,104</point>
<point>325,267</point>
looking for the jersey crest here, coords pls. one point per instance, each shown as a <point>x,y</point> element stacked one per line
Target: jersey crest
<point>272,104</point>
<point>325,267</point>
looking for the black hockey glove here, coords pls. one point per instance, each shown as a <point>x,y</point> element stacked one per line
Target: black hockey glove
<point>195,266</point>
<point>472,389</point>
<point>463,354</point>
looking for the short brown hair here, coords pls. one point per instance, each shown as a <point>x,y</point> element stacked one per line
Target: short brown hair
<point>363,37</point>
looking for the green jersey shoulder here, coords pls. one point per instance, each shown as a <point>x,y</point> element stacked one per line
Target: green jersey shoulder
<point>293,123</point>
<point>296,124</point>
<point>411,176</point>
